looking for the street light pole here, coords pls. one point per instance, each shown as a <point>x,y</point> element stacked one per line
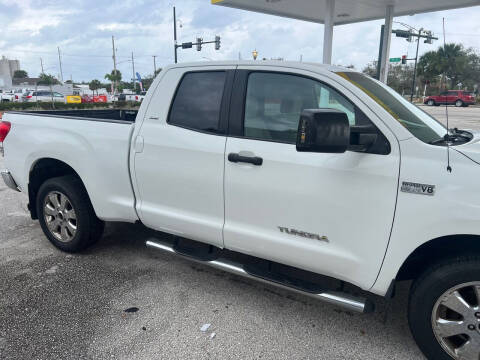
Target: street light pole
<point>175,34</point>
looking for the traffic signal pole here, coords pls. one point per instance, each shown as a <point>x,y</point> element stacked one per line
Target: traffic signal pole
<point>189,45</point>
<point>409,35</point>
<point>415,68</point>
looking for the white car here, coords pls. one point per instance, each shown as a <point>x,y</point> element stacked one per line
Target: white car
<point>7,96</point>
<point>314,178</point>
<point>43,96</point>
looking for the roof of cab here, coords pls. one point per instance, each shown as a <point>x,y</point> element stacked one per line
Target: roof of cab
<point>315,67</point>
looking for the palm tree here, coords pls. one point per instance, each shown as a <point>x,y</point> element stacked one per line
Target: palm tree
<point>94,85</point>
<point>114,78</point>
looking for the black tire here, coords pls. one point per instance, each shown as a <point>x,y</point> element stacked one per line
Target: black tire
<point>426,291</point>
<point>89,228</point>
<point>459,103</point>
<point>431,103</point>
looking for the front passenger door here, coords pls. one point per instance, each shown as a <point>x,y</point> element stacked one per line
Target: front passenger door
<point>327,213</point>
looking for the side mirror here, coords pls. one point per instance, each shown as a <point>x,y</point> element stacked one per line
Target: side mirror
<point>323,131</point>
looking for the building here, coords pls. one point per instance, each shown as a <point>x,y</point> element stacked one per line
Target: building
<point>7,69</point>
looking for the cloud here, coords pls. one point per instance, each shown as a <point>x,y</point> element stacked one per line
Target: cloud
<point>83,29</point>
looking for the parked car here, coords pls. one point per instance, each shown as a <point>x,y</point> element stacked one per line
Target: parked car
<point>44,96</point>
<point>132,97</point>
<point>7,96</point>
<point>458,98</point>
<point>314,178</point>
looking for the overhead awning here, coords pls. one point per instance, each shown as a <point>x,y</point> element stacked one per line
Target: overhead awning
<point>346,11</point>
<point>339,12</point>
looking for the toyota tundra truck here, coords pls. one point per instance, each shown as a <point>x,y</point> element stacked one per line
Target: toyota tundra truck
<point>313,178</point>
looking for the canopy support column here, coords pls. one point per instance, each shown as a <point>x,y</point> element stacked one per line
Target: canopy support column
<point>328,32</point>
<point>387,37</point>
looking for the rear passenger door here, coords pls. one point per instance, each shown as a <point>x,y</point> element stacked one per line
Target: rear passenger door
<point>179,159</point>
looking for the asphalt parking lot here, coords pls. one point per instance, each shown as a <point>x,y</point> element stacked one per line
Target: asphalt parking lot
<point>59,306</point>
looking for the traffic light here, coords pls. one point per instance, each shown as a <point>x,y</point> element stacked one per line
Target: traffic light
<point>199,44</point>
<point>402,33</point>
<point>217,42</point>
<point>429,38</point>
<point>404,59</point>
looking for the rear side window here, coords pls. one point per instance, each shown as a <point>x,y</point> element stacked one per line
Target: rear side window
<point>198,101</point>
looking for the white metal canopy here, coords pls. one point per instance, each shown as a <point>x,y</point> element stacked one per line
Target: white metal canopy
<point>339,12</point>
<point>346,11</point>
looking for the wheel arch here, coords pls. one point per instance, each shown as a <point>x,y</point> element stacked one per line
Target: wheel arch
<point>436,250</point>
<point>42,170</point>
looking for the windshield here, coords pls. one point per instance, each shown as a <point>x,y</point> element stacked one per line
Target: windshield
<point>416,121</point>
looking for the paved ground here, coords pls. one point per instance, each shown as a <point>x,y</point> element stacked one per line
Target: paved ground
<point>463,118</point>
<point>54,305</point>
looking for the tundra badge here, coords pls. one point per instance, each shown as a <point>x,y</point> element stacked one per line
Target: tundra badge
<point>420,189</point>
<point>302,234</point>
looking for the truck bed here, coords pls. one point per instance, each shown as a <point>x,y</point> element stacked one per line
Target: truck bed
<point>110,115</point>
<point>94,143</point>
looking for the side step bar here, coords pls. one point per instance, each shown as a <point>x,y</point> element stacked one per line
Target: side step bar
<point>347,301</point>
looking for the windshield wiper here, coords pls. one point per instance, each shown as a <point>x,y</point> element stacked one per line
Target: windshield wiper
<point>453,136</point>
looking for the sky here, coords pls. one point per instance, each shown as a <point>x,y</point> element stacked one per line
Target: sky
<point>83,29</point>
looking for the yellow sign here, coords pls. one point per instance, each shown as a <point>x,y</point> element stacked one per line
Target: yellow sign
<point>74,99</point>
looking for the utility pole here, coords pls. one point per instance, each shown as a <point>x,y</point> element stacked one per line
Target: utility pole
<point>114,68</point>
<point>154,66</point>
<point>50,82</point>
<point>133,74</point>
<point>60,62</point>
<point>175,34</point>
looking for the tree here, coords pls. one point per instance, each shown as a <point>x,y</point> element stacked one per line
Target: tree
<point>114,78</point>
<point>20,74</point>
<point>399,76</point>
<point>95,85</point>
<point>47,79</point>
<point>451,65</point>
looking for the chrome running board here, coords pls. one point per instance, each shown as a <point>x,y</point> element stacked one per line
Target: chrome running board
<point>346,301</point>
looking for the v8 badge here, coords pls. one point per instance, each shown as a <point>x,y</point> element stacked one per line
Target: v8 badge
<point>419,189</point>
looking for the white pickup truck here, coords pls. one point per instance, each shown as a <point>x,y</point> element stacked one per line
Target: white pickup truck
<point>313,178</point>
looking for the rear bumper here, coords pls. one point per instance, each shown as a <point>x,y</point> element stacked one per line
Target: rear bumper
<point>8,180</point>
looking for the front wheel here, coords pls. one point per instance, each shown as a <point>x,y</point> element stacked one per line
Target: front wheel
<point>431,103</point>
<point>459,103</point>
<point>444,310</point>
<point>66,215</point>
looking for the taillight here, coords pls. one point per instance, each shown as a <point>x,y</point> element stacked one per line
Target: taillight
<point>4,130</point>
<point>16,97</point>
<point>136,98</point>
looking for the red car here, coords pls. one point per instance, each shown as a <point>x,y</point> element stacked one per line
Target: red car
<point>458,98</point>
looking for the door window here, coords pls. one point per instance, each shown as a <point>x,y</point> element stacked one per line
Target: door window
<point>275,101</point>
<point>198,101</point>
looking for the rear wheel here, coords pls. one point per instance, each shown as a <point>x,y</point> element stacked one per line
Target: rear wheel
<point>459,103</point>
<point>66,215</point>
<point>430,103</point>
<point>444,310</point>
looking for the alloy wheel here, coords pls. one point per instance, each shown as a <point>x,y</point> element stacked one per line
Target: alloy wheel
<point>60,216</point>
<point>456,321</point>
